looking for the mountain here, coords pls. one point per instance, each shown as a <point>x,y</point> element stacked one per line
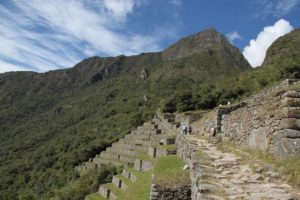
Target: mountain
<point>50,122</point>
<point>283,54</point>
<point>207,42</point>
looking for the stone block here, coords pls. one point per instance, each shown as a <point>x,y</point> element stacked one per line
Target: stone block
<point>292,94</point>
<point>290,123</point>
<point>290,102</point>
<point>285,148</point>
<point>104,191</point>
<point>292,113</point>
<point>290,133</point>
<point>113,196</point>
<point>117,182</point>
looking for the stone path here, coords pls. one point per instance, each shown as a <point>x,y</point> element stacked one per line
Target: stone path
<point>219,175</point>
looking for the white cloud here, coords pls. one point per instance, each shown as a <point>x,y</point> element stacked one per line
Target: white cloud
<point>278,8</point>
<point>176,3</point>
<point>119,8</point>
<point>45,35</point>
<point>232,36</point>
<point>255,52</point>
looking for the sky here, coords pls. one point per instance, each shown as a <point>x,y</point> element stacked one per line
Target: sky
<point>43,35</point>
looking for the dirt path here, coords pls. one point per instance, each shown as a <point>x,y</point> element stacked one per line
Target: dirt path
<point>219,175</point>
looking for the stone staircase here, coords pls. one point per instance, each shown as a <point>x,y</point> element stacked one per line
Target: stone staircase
<point>136,152</point>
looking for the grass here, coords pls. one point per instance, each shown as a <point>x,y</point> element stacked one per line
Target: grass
<point>146,157</point>
<point>95,196</point>
<point>168,171</point>
<point>124,179</point>
<point>140,189</point>
<point>170,147</point>
<point>289,169</point>
<point>114,189</point>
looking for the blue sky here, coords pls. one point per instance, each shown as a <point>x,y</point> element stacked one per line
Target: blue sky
<point>42,35</point>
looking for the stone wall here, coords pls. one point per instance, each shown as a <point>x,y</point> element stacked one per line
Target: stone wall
<point>142,165</point>
<point>269,121</point>
<point>129,175</point>
<point>170,193</point>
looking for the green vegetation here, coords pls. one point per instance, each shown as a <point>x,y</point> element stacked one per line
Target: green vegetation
<point>135,190</point>
<point>95,196</point>
<point>53,121</point>
<point>141,188</point>
<point>168,171</point>
<point>288,169</point>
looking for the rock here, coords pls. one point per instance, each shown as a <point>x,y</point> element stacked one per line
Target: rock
<point>206,188</point>
<point>259,170</point>
<point>290,102</point>
<point>257,177</point>
<point>290,123</point>
<point>274,175</point>
<point>281,170</point>
<point>186,167</point>
<point>290,133</point>
<point>292,94</point>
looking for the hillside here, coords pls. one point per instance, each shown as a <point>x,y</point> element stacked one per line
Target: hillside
<point>51,122</point>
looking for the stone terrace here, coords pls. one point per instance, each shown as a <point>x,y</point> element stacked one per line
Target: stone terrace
<point>135,152</point>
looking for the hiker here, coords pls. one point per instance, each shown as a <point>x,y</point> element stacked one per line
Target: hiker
<point>184,128</point>
<point>212,132</point>
<point>190,130</point>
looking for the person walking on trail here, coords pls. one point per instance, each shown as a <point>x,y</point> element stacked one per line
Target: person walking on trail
<point>184,129</point>
<point>190,130</point>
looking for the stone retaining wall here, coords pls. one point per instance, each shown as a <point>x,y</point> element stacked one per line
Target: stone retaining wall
<point>171,193</point>
<point>104,191</point>
<point>142,165</point>
<point>129,175</point>
<point>268,121</point>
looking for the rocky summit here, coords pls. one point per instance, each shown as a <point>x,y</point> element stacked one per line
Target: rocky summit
<point>112,127</point>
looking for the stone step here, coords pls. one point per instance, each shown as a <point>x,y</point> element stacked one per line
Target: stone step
<point>143,137</point>
<point>290,102</point>
<point>123,152</point>
<point>129,174</point>
<point>122,145</point>
<point>109,191</point>
<point>142,165</point>
<point>168,116</point>
<point>118,157</point>
<point>148,132</point>
<point>107,161</point>
<point>120,182</point>
<point>292,94</point>
<point>139,142</point>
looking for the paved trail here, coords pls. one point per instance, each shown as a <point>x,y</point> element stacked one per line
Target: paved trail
<point>219,175</point>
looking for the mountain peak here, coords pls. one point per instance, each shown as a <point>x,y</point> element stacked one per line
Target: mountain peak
<point>204,41</point>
